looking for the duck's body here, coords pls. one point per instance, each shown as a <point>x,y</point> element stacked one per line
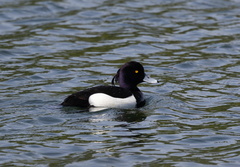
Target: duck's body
<point>126,96</point>
<point>105,96</point>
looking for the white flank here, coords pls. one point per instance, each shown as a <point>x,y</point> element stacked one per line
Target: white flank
<point>104,100</point>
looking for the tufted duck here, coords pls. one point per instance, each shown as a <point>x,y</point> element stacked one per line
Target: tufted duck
<point>126,96</point>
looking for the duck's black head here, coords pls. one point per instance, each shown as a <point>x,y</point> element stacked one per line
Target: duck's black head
<point>130,75</point>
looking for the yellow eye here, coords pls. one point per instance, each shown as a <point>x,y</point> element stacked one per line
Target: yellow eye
<point>136,71</point>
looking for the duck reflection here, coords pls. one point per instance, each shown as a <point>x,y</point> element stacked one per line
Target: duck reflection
<point>126,115</point>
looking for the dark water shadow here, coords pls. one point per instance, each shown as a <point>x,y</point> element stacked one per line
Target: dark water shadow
<point>110,114</point>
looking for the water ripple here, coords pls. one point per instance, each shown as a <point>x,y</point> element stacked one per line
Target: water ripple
<point>50,49</point>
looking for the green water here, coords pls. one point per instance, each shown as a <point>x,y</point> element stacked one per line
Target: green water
<point>50,49</point>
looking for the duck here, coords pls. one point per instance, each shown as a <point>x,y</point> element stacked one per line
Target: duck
<point>126,95</point>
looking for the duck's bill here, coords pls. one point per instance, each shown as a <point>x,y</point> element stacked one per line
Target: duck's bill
<point>148,79</point>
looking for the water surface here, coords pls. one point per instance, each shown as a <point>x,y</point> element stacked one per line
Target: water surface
<point>50,49</point>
